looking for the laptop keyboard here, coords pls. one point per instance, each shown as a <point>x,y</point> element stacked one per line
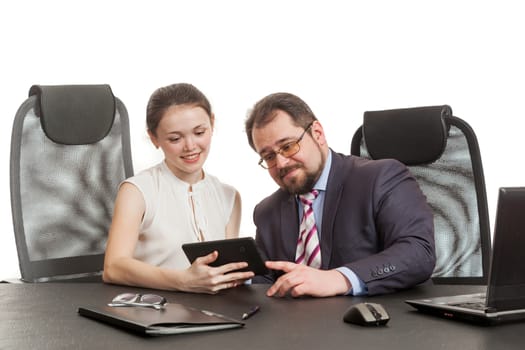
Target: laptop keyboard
<point>472,305</point>
<point>478,303</point>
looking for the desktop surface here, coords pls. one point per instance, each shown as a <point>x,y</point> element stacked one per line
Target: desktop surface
<point>44,316</point>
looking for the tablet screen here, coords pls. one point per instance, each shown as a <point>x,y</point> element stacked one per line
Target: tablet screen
<point>230,250</point>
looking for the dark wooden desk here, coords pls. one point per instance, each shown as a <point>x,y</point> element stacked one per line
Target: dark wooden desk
<point>44,316</point>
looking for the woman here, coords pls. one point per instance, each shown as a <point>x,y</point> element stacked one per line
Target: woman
<point>174,202</point>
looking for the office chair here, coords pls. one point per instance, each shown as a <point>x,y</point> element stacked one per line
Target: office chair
<point>70,149</point>
<point>442,152</point>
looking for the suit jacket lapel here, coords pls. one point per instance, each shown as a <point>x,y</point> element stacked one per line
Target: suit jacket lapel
<point>334,190</point>
<point>289,226</point>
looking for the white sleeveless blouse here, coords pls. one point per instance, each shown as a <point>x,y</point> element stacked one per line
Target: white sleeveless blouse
<point>174,215</point>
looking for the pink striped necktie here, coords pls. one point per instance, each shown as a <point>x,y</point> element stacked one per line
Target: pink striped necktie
<point>308,249</point>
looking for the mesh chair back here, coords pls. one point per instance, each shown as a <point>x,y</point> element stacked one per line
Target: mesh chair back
<point>70,150</point>
<point>443,154</point>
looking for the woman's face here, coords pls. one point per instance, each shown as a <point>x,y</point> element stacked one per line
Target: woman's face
<point>184,135</point>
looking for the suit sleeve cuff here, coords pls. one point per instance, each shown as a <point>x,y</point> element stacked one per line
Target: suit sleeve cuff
<point>358,286</point>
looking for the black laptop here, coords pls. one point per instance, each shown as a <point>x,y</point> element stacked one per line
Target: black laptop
<point>504,299</point>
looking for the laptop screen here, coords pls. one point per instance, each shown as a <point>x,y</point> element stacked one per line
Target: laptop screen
<point>507,273</point>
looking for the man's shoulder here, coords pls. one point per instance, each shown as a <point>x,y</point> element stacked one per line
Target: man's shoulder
<point>278,196</point>
<point>355,164</point>
<point>272,201</point>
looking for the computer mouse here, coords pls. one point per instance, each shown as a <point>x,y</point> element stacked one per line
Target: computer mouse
<point>366,314</point>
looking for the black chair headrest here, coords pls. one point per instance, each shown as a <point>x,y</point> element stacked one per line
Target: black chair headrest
<point>411,135</point>
<point>75,114</point>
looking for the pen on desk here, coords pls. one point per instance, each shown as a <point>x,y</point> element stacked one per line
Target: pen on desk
<point>250,313</point>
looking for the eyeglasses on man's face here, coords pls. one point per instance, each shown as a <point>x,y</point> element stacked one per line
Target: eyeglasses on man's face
<point>269,160</point>
<point>145,300</point>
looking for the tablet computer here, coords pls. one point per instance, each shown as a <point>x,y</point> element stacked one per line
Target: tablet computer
<point>230,250</point>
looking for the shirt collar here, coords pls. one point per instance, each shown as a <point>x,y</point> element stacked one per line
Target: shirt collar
<point>323,179</point>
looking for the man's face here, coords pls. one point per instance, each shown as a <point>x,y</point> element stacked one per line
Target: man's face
<point>298,173</point>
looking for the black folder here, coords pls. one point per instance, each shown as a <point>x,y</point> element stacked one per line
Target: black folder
<point>172,319</point>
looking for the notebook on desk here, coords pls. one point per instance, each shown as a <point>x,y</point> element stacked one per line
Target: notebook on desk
<point>171,319</point>
<point>504,299</point>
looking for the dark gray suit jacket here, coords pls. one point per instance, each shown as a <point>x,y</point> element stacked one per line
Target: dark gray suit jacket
<point>376,221</point>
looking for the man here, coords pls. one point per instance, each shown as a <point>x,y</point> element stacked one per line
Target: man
<point>366,227</point>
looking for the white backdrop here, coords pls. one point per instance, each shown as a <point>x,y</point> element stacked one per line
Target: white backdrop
<point>341,57</point>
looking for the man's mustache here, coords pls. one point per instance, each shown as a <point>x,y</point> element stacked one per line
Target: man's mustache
<point>284,171</point>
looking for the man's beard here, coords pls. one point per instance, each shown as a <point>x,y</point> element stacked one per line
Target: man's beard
<point>301,185</point>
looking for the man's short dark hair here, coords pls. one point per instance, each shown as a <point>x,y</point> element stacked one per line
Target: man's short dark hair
<point>265,110</point>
